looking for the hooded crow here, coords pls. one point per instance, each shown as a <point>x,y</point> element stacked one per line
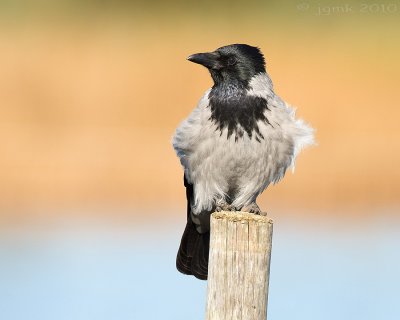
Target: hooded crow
<point>239,139</point>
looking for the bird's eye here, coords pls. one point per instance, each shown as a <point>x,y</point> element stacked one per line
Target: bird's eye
<point>232,61</point>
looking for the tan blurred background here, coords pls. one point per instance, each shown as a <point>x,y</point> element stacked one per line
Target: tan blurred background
<point>90,95</point>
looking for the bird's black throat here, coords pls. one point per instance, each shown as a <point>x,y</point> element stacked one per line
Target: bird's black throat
<point>233,108</point>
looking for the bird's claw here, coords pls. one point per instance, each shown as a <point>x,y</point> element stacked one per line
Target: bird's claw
<point>226,207</point>
<point>223,206</point>
<point>253,208</point>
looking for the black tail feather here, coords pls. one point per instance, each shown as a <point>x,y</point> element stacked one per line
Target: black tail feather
<point>192,257</point>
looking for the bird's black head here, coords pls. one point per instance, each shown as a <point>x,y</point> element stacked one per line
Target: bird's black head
<point>233,63</point>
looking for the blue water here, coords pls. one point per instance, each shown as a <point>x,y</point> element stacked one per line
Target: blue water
<point>321,269</point>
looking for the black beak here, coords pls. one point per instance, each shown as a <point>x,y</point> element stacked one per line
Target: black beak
<point>208,59</point>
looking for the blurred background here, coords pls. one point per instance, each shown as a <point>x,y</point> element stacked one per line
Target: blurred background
<point>92,203</point>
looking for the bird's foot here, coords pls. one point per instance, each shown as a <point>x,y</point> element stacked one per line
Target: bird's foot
<point>253,208</point>
<point>222,205</point>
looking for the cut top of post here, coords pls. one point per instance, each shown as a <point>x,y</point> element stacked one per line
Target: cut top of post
<point>241,216</point>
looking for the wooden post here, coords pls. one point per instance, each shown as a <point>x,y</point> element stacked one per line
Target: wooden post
<point>238,269</point>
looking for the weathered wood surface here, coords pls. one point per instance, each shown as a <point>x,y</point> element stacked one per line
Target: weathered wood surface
<point>238,271</point>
